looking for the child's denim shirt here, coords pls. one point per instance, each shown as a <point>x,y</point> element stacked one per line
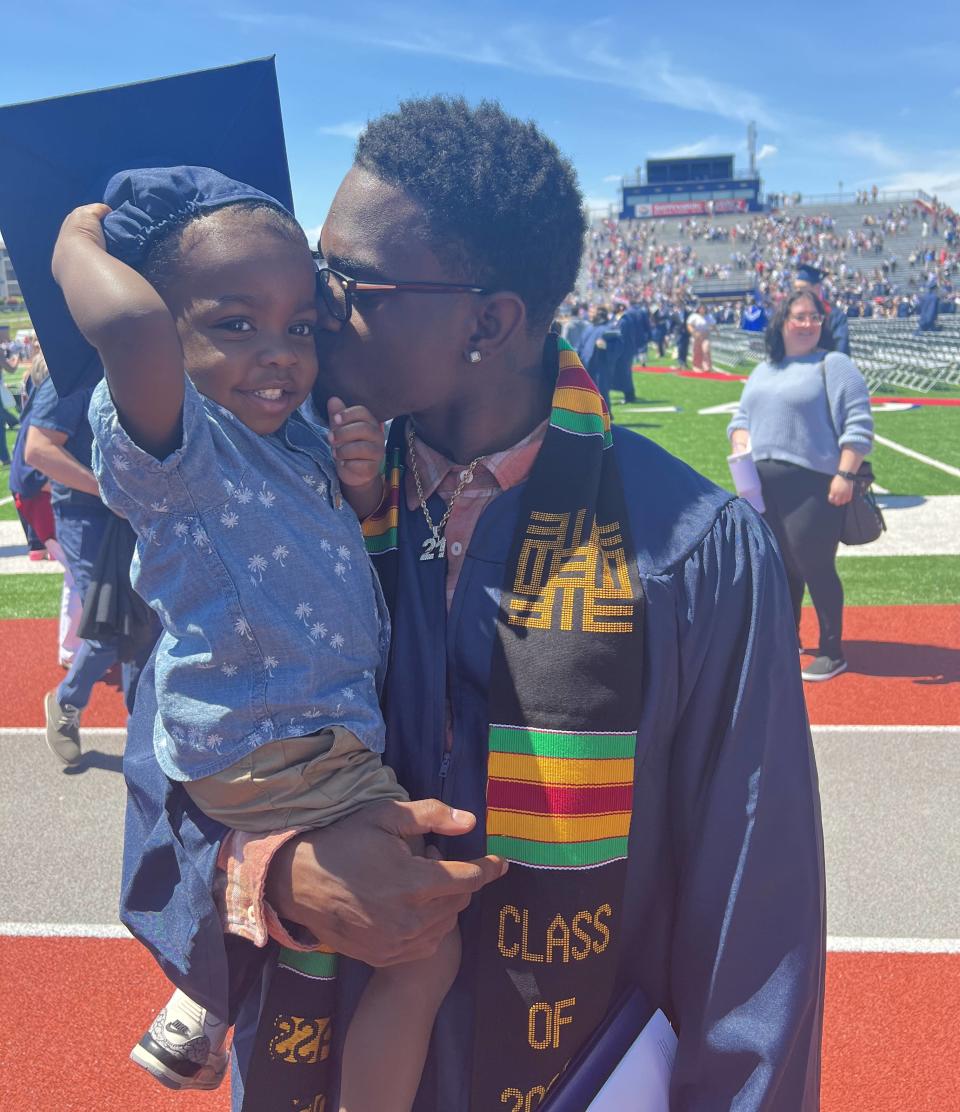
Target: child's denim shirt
<point>274,623</point>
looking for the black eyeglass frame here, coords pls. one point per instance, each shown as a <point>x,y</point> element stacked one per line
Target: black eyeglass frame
<point>353,286</point>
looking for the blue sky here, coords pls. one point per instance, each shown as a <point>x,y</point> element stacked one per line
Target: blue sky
<point>839,91</point>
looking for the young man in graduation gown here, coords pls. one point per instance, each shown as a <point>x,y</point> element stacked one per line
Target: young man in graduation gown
<point>754,316</point>
<point>634,327</point>
<point>811,278</point>
<point>929,308</point>
<point>598,662</point>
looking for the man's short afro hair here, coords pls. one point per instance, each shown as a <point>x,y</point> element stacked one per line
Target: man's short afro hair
<point>502,204</point>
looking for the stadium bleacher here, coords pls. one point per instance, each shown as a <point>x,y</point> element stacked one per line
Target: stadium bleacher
<point>874,252</point>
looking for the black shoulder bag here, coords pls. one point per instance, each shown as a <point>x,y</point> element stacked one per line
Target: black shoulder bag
<point>862,520</point>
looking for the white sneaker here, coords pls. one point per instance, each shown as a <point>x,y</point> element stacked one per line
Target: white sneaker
<point>184,1047</point>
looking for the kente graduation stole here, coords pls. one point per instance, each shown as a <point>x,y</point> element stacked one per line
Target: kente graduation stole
<point>564,705</point>
<point>290,1065</point>
<point>565,702</point>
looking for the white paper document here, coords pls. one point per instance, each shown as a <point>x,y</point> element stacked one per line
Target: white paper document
<point>641,1081</point>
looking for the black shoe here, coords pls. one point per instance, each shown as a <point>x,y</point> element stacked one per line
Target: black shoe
<point>823,668</point>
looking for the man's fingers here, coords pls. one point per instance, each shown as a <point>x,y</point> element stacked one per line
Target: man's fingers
<point>424,816</point>
<point>440,879</point>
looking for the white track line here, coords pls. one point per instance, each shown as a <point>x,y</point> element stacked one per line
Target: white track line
<point>885,729</point>
<point>120,731</point>
<point>63,930</point>
<point>39,731</point>
<point>949,468</point>
<point>837,944</point>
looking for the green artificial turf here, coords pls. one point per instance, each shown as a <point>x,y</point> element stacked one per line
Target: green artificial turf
<point>700,440</point>
<point>899,580</point>
<point>30,595</point>
<point>867,581</point>
<point>932,430</point>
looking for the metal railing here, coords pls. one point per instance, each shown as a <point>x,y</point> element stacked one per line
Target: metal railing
<point>885,197</point>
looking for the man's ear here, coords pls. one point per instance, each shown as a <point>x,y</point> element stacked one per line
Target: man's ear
<point>500,318</point>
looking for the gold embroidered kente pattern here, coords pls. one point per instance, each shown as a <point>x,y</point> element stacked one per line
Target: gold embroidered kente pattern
<point>565,582</point>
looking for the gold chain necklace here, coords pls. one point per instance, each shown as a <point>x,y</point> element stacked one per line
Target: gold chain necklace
<point>435,546</point>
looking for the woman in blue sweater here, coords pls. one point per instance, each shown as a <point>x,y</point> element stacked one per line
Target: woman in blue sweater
<point>805,415</point>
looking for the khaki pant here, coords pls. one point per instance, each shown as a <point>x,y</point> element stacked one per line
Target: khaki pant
<point>300,781</point>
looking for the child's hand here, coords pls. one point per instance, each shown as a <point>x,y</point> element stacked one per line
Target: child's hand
<point>356,437</point>
<point>84,224</point>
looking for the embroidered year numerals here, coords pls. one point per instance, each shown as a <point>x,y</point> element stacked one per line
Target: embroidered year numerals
<point>565,581</point>
<point>299,1041</point>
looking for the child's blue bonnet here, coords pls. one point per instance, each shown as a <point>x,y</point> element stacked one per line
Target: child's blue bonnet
<point>146,202</point>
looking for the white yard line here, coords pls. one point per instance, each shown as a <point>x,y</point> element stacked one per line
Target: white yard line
<point>6,501</point>
<point>949,468</point>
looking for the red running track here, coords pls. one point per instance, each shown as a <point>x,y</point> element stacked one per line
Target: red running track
<point>904,670</point>
<point>71,1008</point>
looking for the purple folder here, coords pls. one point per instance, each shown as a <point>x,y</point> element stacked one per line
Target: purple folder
<point>589,1070</point>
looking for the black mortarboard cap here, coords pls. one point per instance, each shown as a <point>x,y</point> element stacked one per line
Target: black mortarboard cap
<point>66,150</point>
<point>806,272</point>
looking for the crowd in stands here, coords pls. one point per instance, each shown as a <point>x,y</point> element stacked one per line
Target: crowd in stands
<point>657,261</point>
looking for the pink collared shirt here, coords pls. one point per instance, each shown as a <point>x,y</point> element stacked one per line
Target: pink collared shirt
<point>245,858</point>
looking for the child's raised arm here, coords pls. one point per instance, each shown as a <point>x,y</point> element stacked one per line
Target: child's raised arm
<point>126,320</point>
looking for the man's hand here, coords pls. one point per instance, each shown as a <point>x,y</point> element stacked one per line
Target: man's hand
<point>358,887</point>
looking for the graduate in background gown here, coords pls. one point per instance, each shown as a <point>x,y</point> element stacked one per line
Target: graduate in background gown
<point>811,277</point>
<point>929,308</point>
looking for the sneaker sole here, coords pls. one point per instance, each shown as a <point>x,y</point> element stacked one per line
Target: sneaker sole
<point>166,1067</point>
<point>826,676</point>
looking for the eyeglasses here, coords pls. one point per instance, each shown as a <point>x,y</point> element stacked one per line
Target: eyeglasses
<point>805,318</point>
<point>338,291</point>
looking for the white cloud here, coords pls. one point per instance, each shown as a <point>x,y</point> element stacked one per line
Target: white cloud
<point>869,145</point>
<point>768,150</point>
<point>600,205</point>
<point>710,145</point>
<point>349,129</point>
<point>613,178</point>
<point>539,49</point>
<point>942,182</point>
